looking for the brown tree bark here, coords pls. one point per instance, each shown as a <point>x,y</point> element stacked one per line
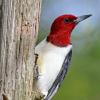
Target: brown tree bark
<point>19,21</point>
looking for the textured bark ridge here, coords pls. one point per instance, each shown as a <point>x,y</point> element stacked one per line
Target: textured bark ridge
<point>19,22</point>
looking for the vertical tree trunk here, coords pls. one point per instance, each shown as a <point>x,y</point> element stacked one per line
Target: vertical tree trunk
<point>19,21</point>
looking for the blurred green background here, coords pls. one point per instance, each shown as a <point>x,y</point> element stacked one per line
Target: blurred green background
<point>83,79</point>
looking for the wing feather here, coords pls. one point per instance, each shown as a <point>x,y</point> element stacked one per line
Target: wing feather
<point>60,77</point>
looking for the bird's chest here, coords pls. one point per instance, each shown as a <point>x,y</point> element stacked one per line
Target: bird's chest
<point>50,63</point>
<point>53,62</point>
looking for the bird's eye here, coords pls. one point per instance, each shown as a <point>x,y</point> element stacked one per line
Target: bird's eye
<point>67,20</point>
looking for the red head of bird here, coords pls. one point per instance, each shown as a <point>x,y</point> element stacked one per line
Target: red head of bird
<point>62,27</point>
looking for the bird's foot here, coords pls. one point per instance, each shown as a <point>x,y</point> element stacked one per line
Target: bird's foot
<point>38,96</point>
<point>36,72</point>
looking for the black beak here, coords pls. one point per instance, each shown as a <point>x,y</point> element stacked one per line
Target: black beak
<point>81,18</point>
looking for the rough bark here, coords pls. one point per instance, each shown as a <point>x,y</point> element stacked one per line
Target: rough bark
<point>19,21</point>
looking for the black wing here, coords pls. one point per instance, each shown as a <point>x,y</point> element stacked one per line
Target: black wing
<point>61,75</point>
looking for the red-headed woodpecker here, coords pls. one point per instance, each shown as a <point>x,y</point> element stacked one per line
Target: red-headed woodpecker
<point>54,54</point>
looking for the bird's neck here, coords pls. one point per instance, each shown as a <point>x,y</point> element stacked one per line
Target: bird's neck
<point>60,39</point>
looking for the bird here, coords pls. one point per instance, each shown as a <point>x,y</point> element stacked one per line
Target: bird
<point>54,54</point>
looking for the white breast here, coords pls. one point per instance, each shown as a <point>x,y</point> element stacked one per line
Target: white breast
<point>50,62</point>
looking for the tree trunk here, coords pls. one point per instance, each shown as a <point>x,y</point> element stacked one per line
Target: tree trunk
<point>19,21</point>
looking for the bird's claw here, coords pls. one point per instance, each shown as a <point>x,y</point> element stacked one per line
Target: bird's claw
<point>36,73</point>
<point>39,96</point>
